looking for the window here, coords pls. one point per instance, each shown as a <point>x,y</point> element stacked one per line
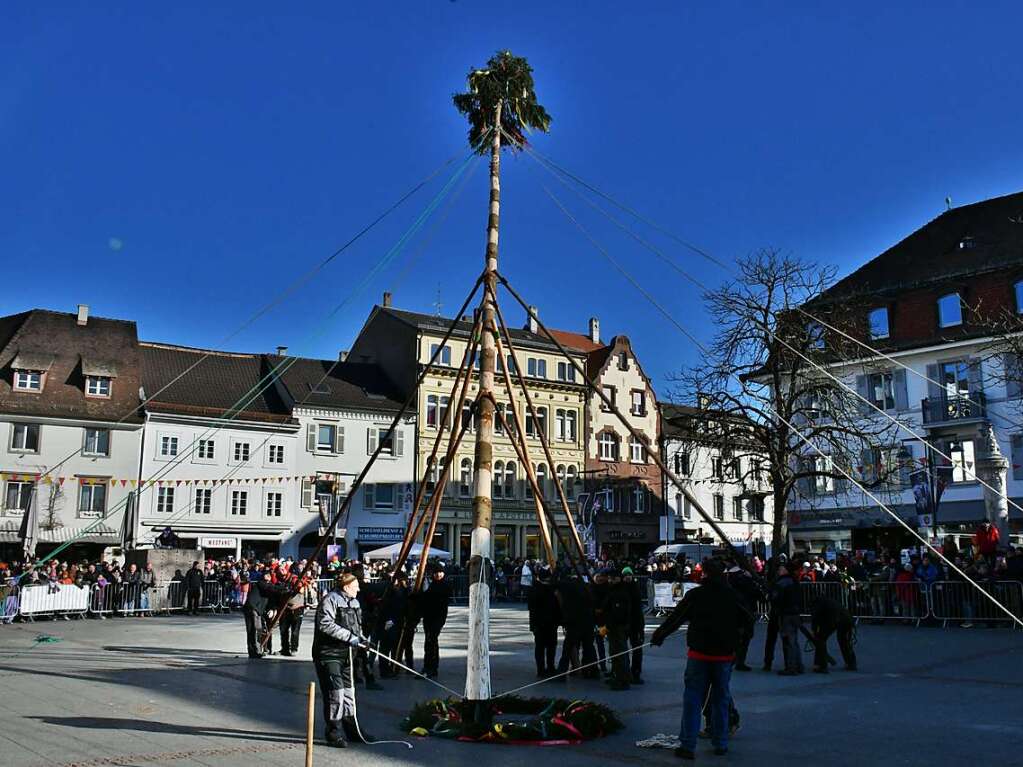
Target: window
<point>559,425</point>
<point>239,503</point>
<point>717,468</point>
<point>97,442</point>
<point>203,501</point>
<point>168,446</point>
<point>468,416</point>
<point>823,482</point>
<point>609,393</point>
<point>25,437</point>
<point>607,446</point>
<point>205,450</point>
<point>962,455</point>
<point>637,451</point>
<point>950,311</point>
<point>390,442</point>
<point>28,380</point>
<point>97,386</point>
<point>540,426</point>
<point>512,369</point>
<point>510,479</point>
<point>164,500</point>
<point>274,503</point>
<point>566,372</point>
<point>570,426</point>
<point>378,497</point>
<point>639,499</point>
<point>504,415</point>
<point>498,487</point>
<point>719,506</point>
<point>737,509</point>
<point>881,390</point>
<point>955,378</point>
<point>325,438</point>
<point>623,361</point>
<point>756,508</point>
<point>687,508</point>
<point>275,454</point>
<point>536,368</point>
<point>571,482</point>
<point>432,402</point>
<point>92,498</point>
<point>1018,289</point>
<point>682,464</point>
<point>444,358</point>
<point>638,402</point>
<point>541,481</point>
<point>433,474</point>
<point>241,452</point>
<point>814,335</point>
<point>18,497</point>
<point>877,321</point>
<point>465,478</point>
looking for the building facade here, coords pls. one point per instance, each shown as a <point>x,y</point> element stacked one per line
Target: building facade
<point>401,343</point>
<point>930,305</point>
<point>70,428</point>
<point>728,480</point>
<point>622,504</point>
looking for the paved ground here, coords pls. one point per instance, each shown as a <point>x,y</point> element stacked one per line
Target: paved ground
<point>179,691</point>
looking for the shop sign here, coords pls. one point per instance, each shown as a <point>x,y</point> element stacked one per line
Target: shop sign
<point>208,542</point>
<point>382,534</point>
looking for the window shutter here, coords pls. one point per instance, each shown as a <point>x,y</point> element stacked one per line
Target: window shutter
<point>1017,456</point>
<point>371,440</point>
<point>368,501</point>
<point>1011,371</point>
<point>867,470</point>
<point>399,442</point>
<point>933,385</point>
<point>339,440</point>
<point>906,466</point>
<point>396,499</point>
<point>901,390</point>
<point>307,494</point>
<point>974,373</point>
<point>310,438</point>
<point>861,389</point>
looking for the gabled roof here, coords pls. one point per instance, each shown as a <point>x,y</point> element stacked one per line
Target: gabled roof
<point>439,325</point>
<point>337,385</point>
<point>686,422</point>
<point>206,383</point>
<point>575,340</point>
<point>55,342</point>
<point>974,238</point>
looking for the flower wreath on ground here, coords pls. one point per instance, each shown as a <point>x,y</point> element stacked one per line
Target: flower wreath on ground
<point>515,721</point>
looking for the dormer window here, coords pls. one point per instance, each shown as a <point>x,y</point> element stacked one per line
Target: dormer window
<point>97,386</point>
<point>878,321</point>
<point>28,380</point>
<point>950,311</point>
<point>1018,288</point>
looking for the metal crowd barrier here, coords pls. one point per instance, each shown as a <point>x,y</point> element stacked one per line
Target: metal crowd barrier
<point>51,600</point>
<point>960,601</point>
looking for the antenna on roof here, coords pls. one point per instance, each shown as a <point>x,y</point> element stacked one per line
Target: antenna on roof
<point>948,203</point>
<point>437,304</point>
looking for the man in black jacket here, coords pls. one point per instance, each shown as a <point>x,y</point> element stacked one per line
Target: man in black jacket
<point>749,592</point>
<point>637,624</point>
<point>262,598</point>
<point>544,617</point>
<point>786,601</point>
<point>193,587</point>
<point>576,606</point>
<point>826,617</point>
<point>433,605</point>
<point>616,612</point>
<point>715,615</point>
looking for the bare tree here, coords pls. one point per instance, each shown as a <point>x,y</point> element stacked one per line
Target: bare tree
<point>765,399</point>
<point>54,503</point>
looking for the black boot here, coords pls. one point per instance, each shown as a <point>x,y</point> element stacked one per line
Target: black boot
<point>334,738</point>
<point>354,731</point>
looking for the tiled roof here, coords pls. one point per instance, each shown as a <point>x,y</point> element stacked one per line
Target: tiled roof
<point>575,340</point>
<point>440,325</point>
<point>58,339</point>
<point>341,385</point>
<point>971,238</point>
<point>211,383</point>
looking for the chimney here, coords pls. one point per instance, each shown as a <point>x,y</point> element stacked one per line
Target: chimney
<point>531,325</point>
<point>387,298</point>
<point>342,355</point>
<point>83,314</point>
<point>595,330</point>
<point>282,350</point>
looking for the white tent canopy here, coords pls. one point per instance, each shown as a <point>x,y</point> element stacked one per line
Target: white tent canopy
<point>391,552</point>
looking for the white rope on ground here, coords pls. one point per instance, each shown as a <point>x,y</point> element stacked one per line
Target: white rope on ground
<point>787,423</point>
<point>413,671</point>
<point>573,670</point>
<point>355,711</point>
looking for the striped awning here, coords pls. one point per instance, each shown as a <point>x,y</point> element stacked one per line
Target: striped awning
<point>101,533</point>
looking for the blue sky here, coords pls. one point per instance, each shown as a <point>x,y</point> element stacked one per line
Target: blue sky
<point>180,165</point>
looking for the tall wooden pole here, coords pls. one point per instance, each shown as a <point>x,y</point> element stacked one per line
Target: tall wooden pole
<point>477,676</point>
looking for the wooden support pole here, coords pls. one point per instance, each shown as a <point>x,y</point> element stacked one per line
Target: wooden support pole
<point>310,724</point>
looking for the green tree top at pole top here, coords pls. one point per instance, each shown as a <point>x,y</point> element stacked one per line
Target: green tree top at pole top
<point>508,79</point>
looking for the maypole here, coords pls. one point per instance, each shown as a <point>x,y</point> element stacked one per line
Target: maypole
<point>500,99</point>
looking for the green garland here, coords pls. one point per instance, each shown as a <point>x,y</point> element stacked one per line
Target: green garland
<point>514,720</point>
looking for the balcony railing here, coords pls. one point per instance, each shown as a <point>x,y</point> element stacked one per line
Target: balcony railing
<point>947,409</point>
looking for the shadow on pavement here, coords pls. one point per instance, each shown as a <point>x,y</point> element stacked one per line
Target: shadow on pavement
<point>145,725</point>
